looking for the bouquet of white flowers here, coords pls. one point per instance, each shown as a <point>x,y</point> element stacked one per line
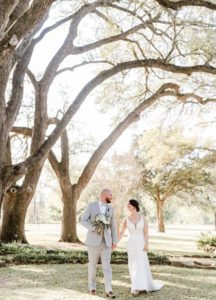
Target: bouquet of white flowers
<point>101,222</point>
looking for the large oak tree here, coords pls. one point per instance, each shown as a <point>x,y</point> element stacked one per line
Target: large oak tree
<point>150,26</point>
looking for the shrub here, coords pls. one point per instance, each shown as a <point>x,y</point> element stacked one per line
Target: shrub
<point>207,242</point>
<point>26,254</point>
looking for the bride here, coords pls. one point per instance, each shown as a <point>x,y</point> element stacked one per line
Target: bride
<point>137,247</point>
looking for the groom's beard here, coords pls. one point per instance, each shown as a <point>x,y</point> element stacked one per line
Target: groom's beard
<point>108,200</point>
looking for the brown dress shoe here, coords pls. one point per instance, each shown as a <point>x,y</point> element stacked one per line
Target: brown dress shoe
<point>110,295</point>
<point>93,292</point>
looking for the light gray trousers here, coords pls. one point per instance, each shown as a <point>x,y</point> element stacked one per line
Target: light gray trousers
<point>93,255</point>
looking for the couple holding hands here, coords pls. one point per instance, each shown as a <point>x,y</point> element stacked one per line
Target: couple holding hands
<point>101,239</point>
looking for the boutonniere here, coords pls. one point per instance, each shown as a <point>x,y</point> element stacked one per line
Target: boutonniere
<point>108,210</point>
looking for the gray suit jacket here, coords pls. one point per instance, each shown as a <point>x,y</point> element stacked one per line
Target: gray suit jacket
<point>93,239</point>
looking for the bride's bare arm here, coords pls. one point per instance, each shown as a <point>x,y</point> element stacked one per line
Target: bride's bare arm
<point>145,234</point>
<point>122,231</point>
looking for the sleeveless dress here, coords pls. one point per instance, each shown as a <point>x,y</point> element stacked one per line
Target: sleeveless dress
<point>138,263</point>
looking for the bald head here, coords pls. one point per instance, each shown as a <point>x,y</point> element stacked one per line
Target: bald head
<point>106,196</point>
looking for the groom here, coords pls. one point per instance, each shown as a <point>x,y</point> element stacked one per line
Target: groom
<point>100,245</point>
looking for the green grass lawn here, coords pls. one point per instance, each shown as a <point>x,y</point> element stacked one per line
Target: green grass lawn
<point>177,240</point>
<point>69,281</point>
<point>29,282</point>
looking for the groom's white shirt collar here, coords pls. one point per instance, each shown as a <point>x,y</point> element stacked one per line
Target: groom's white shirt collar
<point>102,207</point>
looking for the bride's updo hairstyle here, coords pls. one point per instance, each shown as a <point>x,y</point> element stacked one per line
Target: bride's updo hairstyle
<point>135,204</point>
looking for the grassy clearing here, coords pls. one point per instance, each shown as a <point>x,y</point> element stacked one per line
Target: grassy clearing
<point>49,282</point>
<point>69,281</point>
<point>177,240</point>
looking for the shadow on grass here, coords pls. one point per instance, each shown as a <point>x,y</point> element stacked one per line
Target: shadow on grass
<point>70,282</point>
<point>171,238</point>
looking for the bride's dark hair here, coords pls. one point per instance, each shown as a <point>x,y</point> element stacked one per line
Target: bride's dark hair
<point>135,204</point>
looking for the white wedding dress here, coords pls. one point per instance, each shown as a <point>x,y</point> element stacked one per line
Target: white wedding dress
<point>139,268</point>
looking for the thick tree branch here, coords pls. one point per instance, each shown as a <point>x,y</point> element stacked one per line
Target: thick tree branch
<point>17,88</point>
<point>41,153</point>
<point>18,11</point>
<point>168,89</point>
<point>207,149</point>
<point>22,26</point>
<point>54,163</point>
<point>175,5</point>
<point>7,8</point>
<point>52,27</point>
<point>64,50</point>
<point>65,152</point>
<point>98,80</point>
<point>28,40</point>
<point>68,47</point>
<point>22,130</point>
<point>84,63</point>
<point>63,166</point>
<point>33,79</point>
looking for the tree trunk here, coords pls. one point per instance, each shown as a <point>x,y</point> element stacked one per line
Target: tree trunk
<point>15,207</point>
<point>4,75</point>
<point>13,220</point>
<point>69,224</point>
<point>160,216</point>
<point>16,204</point>
<point>215,219</point>
<point>26,22</point>
<point>7,8</point>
